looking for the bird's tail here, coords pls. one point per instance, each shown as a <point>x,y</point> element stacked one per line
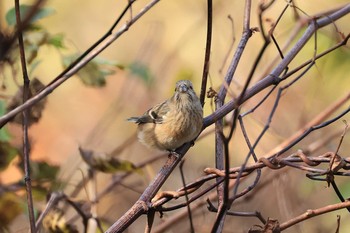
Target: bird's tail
<point>134,119</point>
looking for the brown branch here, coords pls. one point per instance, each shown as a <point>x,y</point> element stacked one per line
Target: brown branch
<point>311,126</point>
<point>55,198</point>
<point>186,196</point>
<point>25,23</point>
<point>293,161</point>
<point>207,52</point>
<point>25,120</point>
<point>313,213</point>
<point>266,37</point>
<point>222,160</point>
<point>142,205</point>
<point>91,53</point>
<point>272,78</point>
<point>229,50</point>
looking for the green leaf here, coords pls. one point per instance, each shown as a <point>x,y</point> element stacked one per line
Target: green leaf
<point>24,9</point>
<point>4,134</point>
<point>56,41</point>
<point>345,189</point>
<point>7,154</point>
<point>10,208</point>
<point>33,41</point>
<point>92,74</point>
<point>55,221</point>
<point>141,71</point>
<point>33,66</point>
<point>103,61</point>
<point>105,162</point>
<point>43,170</point>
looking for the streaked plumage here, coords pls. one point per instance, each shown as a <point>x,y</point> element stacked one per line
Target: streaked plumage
<point>174,122</point>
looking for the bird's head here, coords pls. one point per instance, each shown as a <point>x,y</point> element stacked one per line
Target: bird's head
<point>184,91</point>
<point>184,86</point>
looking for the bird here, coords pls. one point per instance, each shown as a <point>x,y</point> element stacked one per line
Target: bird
<point>172,123</point>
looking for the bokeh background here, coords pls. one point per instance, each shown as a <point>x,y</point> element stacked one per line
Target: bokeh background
<point>168,44</point>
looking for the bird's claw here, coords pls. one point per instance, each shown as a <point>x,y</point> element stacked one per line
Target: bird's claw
<point>173,153</point>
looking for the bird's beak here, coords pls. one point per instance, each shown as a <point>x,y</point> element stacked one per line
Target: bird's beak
<point>183,88</point>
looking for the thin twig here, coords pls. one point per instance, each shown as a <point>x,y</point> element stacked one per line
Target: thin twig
<point>312,213</point>
<point>272,78</point>
<point>229,50</point>
<point>150,220</point>
<point>292,161</point>
<point>222,156</point>
<point>25,121</point>
<point>207,51</point>
<point>186,196</point>
<point>80,62</point>
<point>308,131</point>
<point>142,205</point>
<point>25,23</point>
<point>55,197</point>
<point>256,214</point>
<point>266,37</point>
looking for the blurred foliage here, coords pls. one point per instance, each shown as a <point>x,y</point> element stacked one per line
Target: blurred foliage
<point>141,71</point>
<point>55,222</point>
<point>7,151</point>
<point>7,154</point>
<point>10,208</point>
<point>105,162</point>
<point>42,170</point>
<point>4,134</point>
<point>45,176</point>
<point>24,9</point>
<point>36,37</point>
<point>95,72</point>
<point>36,111</point>
<point>345,189</point>
<point>185,74</point>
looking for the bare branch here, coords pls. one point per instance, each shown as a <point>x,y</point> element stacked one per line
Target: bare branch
<point>207,52</point>
<point>25,120</point>
<point>91,53</point>
<point>313,213</point>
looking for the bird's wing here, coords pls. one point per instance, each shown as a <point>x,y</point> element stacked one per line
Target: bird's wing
<point>158,112</point>
<point>154,115</point>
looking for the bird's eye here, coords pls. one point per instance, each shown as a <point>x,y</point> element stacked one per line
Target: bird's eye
<point>191,87</point>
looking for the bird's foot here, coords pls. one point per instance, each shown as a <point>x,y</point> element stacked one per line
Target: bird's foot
<point>173,153</point>
<point>192,143</point>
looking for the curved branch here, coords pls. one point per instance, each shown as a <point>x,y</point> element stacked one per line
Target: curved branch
<point>312,213</point>
<point>64,76</point>
<point>273,77</point>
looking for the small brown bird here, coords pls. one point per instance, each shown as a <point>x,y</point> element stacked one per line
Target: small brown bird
<point>169,125</point>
